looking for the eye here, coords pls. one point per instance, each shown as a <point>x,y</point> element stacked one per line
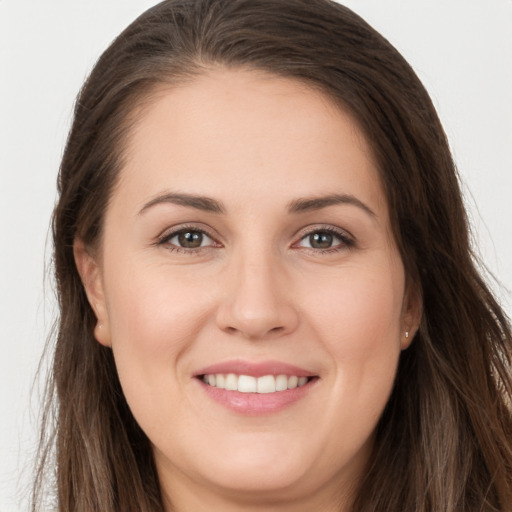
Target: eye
<point>325,239</point>
<point>187,239</point>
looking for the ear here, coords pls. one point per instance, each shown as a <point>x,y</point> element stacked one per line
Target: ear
<point>411,315</point>
<point>92,281</point>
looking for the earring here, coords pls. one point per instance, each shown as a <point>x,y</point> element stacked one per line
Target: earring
<point>406,334</point>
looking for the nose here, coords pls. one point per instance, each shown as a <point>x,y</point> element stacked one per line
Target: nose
<point>258,303</point>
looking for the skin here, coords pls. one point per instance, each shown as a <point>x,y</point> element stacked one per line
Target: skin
<point>255,290</point>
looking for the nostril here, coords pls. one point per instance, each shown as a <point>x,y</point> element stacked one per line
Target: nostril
<point>256,317</point>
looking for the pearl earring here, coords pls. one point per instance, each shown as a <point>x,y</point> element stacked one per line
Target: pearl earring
<point>406,334</point>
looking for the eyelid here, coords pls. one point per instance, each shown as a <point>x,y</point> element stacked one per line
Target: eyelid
<point>346,238</point>
<point>165,236</point>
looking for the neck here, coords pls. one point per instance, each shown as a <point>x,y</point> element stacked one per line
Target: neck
<point>207,501</point>
<point>182,494</point>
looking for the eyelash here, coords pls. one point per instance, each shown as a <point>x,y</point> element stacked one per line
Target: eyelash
<point>165,239</point>
<point>346,240</point>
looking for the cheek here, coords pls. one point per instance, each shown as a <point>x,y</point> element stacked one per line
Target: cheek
<point>153,318</point>
<point>368,320</point>
<point>361,308</point>
<point>358,320</point>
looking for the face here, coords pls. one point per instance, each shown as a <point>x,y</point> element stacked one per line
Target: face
<point>251,290</point>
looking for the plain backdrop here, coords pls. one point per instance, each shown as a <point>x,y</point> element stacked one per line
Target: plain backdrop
<point>461,50</point>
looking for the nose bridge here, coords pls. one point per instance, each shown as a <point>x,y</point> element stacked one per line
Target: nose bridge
<point>258,303</point>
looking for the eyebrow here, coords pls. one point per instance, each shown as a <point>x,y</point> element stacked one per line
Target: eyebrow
<point>301,205</point>
<point>205,204</point>
<point>309,204</point>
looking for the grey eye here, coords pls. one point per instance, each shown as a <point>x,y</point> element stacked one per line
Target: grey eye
<point>190,239</point>
<point>321,240</point>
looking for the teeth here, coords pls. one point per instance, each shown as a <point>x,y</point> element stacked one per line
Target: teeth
<point>292,382</point>
<point>231,382</point>
<point>281,383</point>
<point>249,384</point>
<point>266,384</point>
<point>220,380</point>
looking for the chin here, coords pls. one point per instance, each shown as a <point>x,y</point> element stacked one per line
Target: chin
<point>266,465</point>
<point>262,475</point>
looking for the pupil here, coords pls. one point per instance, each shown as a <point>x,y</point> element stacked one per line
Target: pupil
<point>190,239</point>
<point>320,240</point>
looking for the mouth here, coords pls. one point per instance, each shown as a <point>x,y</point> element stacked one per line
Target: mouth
<point>250,384</point>
<point>250,388</point>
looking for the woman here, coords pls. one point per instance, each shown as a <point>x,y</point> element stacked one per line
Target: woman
<point>268,300</point>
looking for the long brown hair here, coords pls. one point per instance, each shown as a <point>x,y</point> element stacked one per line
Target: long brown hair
<point>444,442</point>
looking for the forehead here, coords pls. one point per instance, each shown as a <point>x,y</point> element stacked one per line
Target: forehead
<point>247,131</point>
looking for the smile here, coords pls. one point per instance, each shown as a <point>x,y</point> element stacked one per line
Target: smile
<point>250,384</point>
<point>256,388</point>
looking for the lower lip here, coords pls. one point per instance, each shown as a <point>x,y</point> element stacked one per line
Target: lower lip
<point>254,404</point>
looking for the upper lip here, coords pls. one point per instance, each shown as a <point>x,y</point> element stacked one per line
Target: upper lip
<point>255,369</point>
